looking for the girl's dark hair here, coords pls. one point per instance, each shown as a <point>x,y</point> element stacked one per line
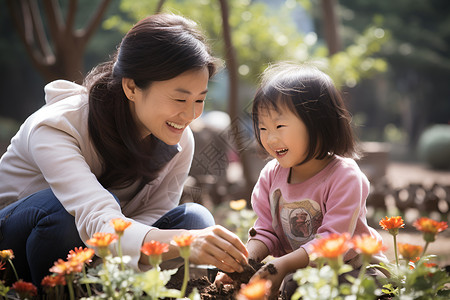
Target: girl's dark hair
<point>311,94</point>
<point>157,48</point>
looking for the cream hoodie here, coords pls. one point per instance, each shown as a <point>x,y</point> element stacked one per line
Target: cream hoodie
<point>52,149</point>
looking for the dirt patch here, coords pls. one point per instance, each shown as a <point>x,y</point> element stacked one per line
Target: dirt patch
<point>208,290</point>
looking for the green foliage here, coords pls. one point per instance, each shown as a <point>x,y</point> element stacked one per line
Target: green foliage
<point>263,34</point>
<point>434,145</point>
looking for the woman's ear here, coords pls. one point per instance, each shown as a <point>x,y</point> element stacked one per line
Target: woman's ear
<point>129,87</point>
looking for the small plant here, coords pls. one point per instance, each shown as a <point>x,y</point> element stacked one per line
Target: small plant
<point>240,219</point>
<point>111,279</point>
<point>415,278</point>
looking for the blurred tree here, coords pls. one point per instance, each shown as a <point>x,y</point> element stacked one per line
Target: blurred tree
<point>414,93</point>
<point>55,47</point>
<point>251,34</point>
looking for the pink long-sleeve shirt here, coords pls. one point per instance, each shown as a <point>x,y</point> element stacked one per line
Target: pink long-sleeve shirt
<point>290,216</point>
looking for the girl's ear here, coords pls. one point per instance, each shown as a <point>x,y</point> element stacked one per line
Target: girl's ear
<point>129,87</point>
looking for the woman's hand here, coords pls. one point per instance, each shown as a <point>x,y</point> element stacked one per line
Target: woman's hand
<point>220,247</point>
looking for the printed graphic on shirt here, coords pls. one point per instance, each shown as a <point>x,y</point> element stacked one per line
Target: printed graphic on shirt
<point>299,220</point>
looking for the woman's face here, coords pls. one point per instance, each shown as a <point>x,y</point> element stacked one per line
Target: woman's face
<point>167,107</point>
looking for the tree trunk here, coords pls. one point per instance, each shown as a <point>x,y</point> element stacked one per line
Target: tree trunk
<point>233,97</point>
<point>60,53</point>
<point>331,26</point>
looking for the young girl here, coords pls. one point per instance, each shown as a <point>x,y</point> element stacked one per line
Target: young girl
<point>117,147</point>
<point>313,187</point>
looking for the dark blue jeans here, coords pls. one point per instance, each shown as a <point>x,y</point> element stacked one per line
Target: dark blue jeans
<point>40,231</point>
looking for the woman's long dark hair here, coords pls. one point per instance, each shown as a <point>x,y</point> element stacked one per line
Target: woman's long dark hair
<point>159,47</point>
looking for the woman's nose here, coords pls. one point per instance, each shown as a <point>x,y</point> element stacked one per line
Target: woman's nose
<point>189,112</point>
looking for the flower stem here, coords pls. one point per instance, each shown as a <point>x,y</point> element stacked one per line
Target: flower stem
<point>425,248</point>
<point>186,276</point>
<point>88,287</point>
<point>119,250</point>
<point>395,250</point>
<point>14,269</point>
<point>70,287</point>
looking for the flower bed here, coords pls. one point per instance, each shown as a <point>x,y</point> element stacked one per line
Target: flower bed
<point>413,275</point>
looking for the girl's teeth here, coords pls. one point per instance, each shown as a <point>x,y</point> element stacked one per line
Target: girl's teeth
<point>175,125</point>
<point>282,151</point>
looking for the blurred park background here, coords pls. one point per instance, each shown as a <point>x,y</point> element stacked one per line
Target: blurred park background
<point>391,59</point>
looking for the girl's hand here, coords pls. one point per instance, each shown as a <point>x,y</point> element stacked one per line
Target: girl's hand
<point>222,278</point>
<point>275,271</point>
<point>220,247</point>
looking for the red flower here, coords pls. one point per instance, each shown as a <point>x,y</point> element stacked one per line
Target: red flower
<point>392,224</point>
<point>51,281</point>
<point>61,267</point>
<point>183,240</point>
<point>7,254</point>
<point>154,248</point>
<point>120,225</point>
<point>25,289</point>
<point>101,239</point>
<point>368,245</point>
<point>332,246</point>
<point>408,251</point>
<point>81,255</point>
<point>258,289</point>
<point>430,228</point>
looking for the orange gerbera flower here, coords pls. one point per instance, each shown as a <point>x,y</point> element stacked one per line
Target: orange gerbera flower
<point>238,204</point>
<point>392,224</point>
<point>430,228</point>
<point>25,289</point>
<point>7,254</point>
<point>154,248</point>
<point>101,239</point>
<point>120,225</point>
<point>408,251</point>
<point>258,289</point>
<point>332,246</point>
<point>81,255</point>
<point>51,281</point>
<point>368,245</point>
<point>183,240</point>
<point>61,267</point>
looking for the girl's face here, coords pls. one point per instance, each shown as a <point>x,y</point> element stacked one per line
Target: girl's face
<point>284,136</point>
<point>167,107</point>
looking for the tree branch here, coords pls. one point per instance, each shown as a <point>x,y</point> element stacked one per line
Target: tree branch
<point>94,22</point>
<point>41,38</point>
<point>159,6</point>
<point>71,13</point>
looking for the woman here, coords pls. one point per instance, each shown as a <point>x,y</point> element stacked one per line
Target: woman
<point>117,147</point>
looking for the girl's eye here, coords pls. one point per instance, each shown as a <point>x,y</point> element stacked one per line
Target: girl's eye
<point>280,126</point>
<point>180,100</point>
<point>262,129</point>
<point>200,101</point>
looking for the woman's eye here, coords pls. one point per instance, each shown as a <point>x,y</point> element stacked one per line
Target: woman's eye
<point>280,126</point>
<point>200,101</point>
<point>262,129</point>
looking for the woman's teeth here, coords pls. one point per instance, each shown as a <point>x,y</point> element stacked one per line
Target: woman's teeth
<point>175,125</point>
